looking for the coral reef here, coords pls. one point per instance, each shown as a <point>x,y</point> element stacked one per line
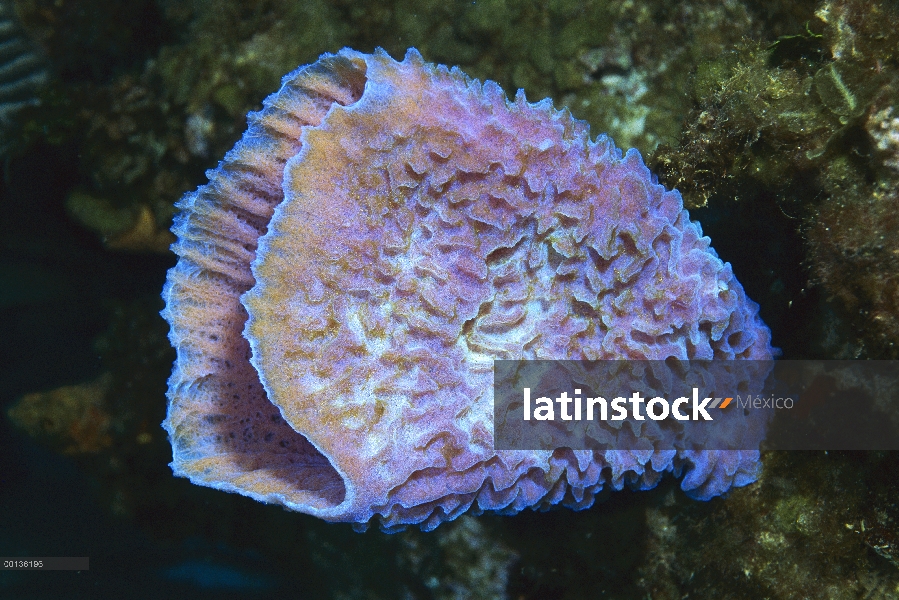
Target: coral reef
<point>147,94</point>
<point>808,120</point>
<point>782,538</point>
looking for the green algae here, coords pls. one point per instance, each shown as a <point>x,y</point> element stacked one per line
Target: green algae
<point>805,120</point>
<point>794,534</point>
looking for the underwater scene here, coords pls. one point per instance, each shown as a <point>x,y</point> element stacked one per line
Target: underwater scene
<point>263,260</point>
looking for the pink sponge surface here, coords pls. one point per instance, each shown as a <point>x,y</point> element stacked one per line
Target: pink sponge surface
<point>382,232</point>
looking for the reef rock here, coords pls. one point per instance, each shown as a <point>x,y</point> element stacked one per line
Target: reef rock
<point>381,233</point>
